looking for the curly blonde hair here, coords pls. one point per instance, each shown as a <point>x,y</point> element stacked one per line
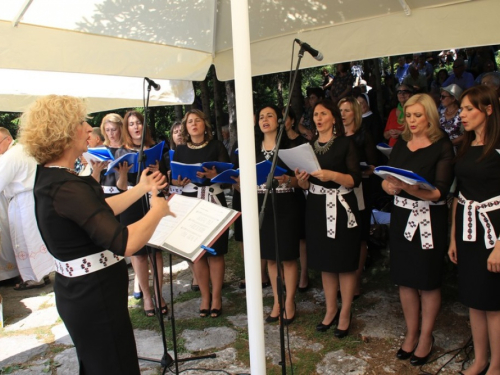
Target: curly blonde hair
<point>48,127</point>
<point>112,118</point>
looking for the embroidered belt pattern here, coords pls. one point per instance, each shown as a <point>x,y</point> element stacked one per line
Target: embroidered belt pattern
<point>207,193</point>
<point>331,207</point>
<point>419,217</point>
<point>87,264</point>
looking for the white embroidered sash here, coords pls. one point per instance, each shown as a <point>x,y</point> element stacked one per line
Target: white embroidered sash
<point>469,219</point>
<point>208,193</point>
<point>419,217</point>
<point>331,206</point>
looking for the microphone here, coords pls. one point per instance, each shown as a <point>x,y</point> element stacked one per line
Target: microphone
<point>153,84</point>
<point>313,52</point>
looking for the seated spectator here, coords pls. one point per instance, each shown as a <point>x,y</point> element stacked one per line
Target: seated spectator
<point>342,84</point>
<point>306,125</point>
<point>459,76</point>
<point>327,82</point>
<point>402,69</point>
<point>425,69</point>
<point>492,79</point>
<point>396,121</point>
<point>487,67</point>
<point>449,113</point>
<point>415,80</point>
<point>441,77</point>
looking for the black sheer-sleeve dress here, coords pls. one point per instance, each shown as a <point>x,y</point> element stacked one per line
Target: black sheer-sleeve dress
<point>287,217</point>
<point>415,263</point>
<point>75,221</point>
<point>367,154</point>
<point>477,181</point>
<point>139,208</point>
<point>341,253</point>
<point>213,151</point>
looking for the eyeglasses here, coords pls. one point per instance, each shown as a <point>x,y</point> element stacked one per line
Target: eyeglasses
<point>444,96</point>
<point>403,92</point>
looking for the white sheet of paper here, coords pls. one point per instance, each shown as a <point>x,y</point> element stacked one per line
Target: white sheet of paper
<point>301,157</point>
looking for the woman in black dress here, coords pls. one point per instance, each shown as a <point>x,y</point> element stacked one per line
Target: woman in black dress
<point>287,215</point>
<point>132,130</point>
<point>201,147</point>
<point>296,140</point>
<point>78,225</point>
<point>474,246</point>
<point>417,249</point>
<point>350,111</point>
<point>332,218</point>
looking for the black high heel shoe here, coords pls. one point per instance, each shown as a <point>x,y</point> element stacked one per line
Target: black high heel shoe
<point>419,361</point>
<point>341,333</point>
<point>403,354</point>
<point>290,321</point>
<point>325,327</point>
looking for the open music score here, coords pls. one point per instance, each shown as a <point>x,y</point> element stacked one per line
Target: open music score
<point>197,224</point>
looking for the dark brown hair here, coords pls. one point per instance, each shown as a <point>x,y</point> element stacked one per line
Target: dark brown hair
<point>127,139</point>
<point>481,97</point>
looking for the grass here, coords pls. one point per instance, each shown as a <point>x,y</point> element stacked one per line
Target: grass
<point>304,360</point>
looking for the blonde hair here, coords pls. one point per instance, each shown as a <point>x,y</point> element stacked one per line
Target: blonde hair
<point>208,128</point>
<point>112,118</point>
<point>48,127</point>
<point>434,132</point>
<point>356,108</point>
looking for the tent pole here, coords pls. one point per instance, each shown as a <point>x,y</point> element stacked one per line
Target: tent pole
<point>246,146</point>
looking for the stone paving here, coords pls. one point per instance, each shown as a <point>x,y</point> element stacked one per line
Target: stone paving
<point>23,350</point>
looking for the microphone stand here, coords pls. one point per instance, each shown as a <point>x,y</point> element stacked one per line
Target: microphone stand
<point>166,361</point>
<point>271,185</point>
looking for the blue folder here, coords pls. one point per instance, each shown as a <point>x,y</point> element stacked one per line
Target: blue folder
<point>190,170</point>
<point>152,154</point>
<point>263,169</point>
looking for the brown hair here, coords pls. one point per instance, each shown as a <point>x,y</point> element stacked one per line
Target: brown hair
<point>356,108</point>
<point>481,97</point>
<point>434,132</point>
<point>338,127</point>
<point>127,139</point>
<point>200,114</point>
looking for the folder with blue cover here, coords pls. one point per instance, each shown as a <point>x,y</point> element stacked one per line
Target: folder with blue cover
<point>263,169</point>
<point>152,155</point>
<point>190,170</point>
<point>404,175</point>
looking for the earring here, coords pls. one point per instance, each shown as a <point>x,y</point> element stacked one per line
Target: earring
<point>334,130</point>
<point>206,132</point>
<point>316,132</point>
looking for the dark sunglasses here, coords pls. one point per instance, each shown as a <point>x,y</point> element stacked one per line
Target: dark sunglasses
<point>402,92</point>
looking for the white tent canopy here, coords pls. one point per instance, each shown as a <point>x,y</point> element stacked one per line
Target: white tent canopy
<point>19,88</point>
<point>180,39</point>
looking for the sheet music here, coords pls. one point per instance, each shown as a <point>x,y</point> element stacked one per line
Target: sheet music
<point>301,157</point>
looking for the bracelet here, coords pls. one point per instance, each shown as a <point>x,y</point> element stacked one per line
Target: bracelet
<point>289,181</point>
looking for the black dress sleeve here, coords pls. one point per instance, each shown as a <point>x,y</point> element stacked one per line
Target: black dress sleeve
<point>370,150</point>
<point>79,202</point>
<point>352,162</point>
<point>444,167</point>
<point>222,155</point>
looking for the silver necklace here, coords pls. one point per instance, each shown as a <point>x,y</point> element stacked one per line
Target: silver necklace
<point>267,154</point>
<point>323,149</point>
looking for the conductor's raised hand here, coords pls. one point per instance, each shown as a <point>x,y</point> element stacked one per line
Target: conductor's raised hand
<point>153,181</point>
<point>160,204</point>
<point>208,173</point>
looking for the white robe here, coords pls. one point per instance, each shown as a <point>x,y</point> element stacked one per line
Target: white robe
<point>17,178</point>
<point>8,266</point>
